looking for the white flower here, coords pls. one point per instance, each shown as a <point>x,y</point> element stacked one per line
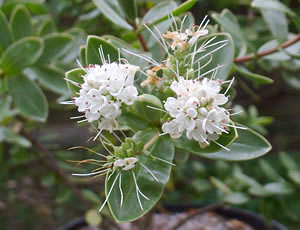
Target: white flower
<point>126,163</point>
<point>196,110</point>
<point>106,87</point>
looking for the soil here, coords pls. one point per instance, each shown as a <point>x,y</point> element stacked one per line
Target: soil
<point>206,221</point>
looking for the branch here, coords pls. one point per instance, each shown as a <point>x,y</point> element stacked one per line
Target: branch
<point>140,37</point>
<point>267,52</point>
<point>196,213</point>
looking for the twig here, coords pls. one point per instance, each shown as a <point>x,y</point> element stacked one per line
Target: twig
<point>195,213</point>
<point>267,52</point>
<point>140,37</point>
<point>49,160</point>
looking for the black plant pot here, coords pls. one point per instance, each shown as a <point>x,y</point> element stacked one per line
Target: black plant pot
<point>251,218</point>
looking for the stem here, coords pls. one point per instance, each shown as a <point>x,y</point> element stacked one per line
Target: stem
<point>140,37</point>
<point>267,52</point>
<point>196,213</point>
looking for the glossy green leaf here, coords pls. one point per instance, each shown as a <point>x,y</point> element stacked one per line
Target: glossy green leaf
<point>256,78</point>
<point>28,98</point>
<point>5,33</point>
<point>129,8</point>
<point>21,54</point>
<point>92,50</point>
<point>49,77</point>
<point>48,27</point>
<point>222,57</point>
<point>54,46</point>
<point>230,24</point>
<point>21,23</point>
<point>153,189</point>
<point>76,76</point>
<point>109,10</point>
<point>248,145</point>
<point>193,146</point>
<point>11,137</point>
<point>160,10</point>
<point>142,104</point>
<point>132,121</point>
<point>177,11</point>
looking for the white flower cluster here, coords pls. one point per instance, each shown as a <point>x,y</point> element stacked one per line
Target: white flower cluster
<point>197,110</point>
<point>126,163</point>
<point>104,90</point>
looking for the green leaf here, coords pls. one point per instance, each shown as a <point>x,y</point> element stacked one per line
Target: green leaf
<point>160,10</point>
<point>288,162</point>
<point>231,25</point>
<point>141,106</point>
<point>5,108</point>
<point>277,23</point>
<point>153,189</point>
<point>220,185</point>
<point>179,10</point>
<point>21,23</point>
<point>221,57</point>
<point>248,145</point>
<point>54,46</point>
<point>20,55</point>
<point>130,9</point>
<point>294,175</point>
<point>280,188</point>
<point>256,78</point>
<point>82,55</point>
<point>92,50</point>
<point>76,76</point>
<point>49,77</point>
<point>28,98</point>
<point>109,10</point>
<point>11,137</point>
<point>48,27</point>
<point>5,33</point>
<point>129,120</point>
<point>117,42</point>
<point>282,54</point>
<point>272,5</point>
<point>269,171</point>
<point>193,146</point>
<point>236,198</point>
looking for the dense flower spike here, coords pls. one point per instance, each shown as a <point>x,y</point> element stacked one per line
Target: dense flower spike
<point>197,110</point>
<point>106,87</point>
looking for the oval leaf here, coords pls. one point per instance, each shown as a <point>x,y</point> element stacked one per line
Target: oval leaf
<point>48,27</point>
<point>76,76</point>
<point>222,56</point>
<point>54,46</point>
<point>5,33</point>
<point>92,50</point>
<point>160,10</point>
<point>21,23</point>
<point>248,145</point>
<point>49,77</point>
<point>109,10</point>
<point>21,54</point>
<point>193,146</point>
<point>131,210</point>
<point>28,97</point>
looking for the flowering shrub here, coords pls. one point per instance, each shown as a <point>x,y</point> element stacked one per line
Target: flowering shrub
<point>154,107</point>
